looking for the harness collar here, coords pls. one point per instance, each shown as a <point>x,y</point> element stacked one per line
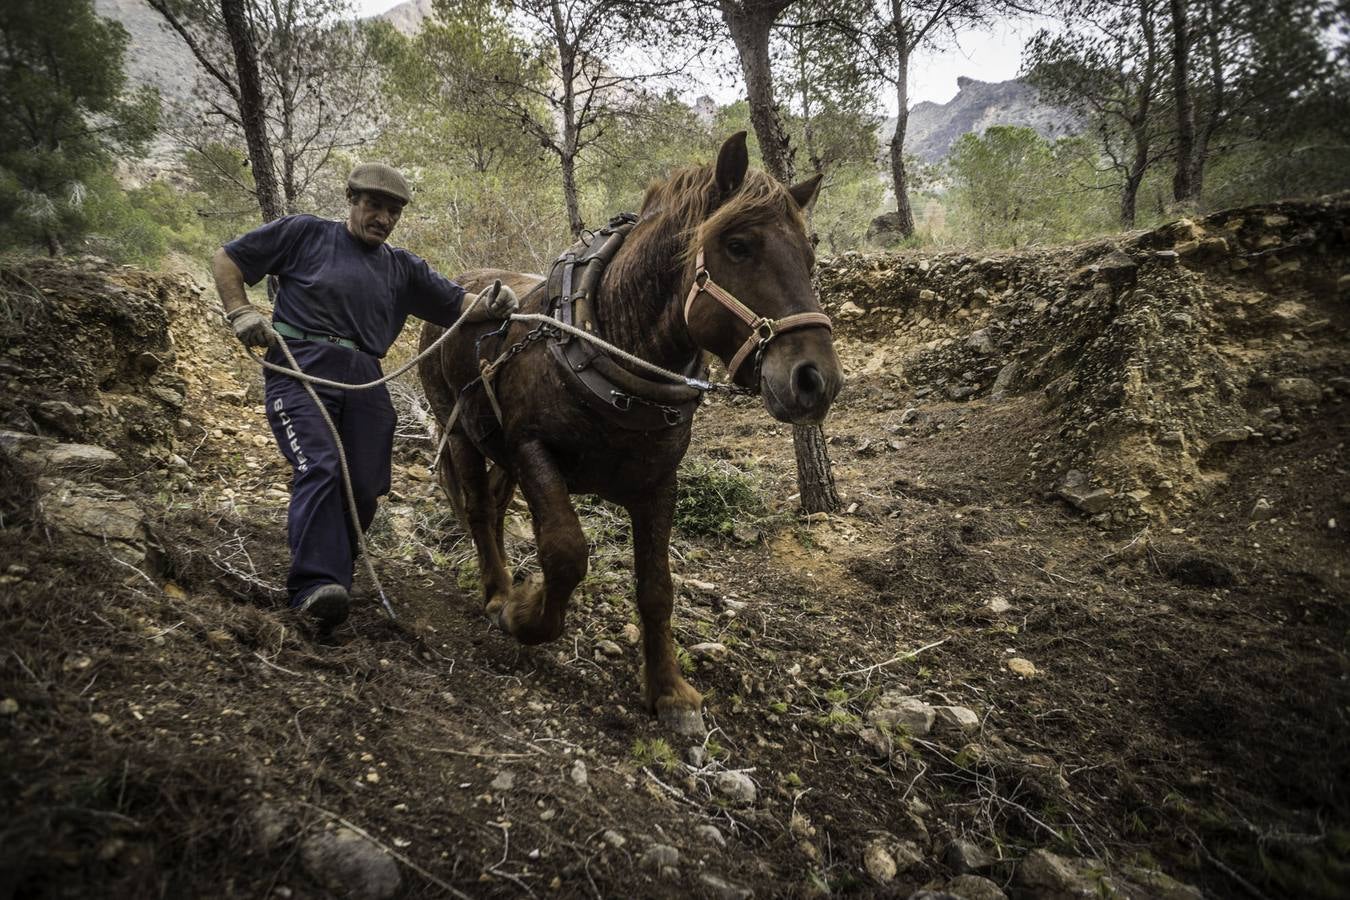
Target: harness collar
<point>630,400</point>
<point>763,330</point>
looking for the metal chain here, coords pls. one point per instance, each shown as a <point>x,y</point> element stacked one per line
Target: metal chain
<point>672,414</point>
<point>539,332</point>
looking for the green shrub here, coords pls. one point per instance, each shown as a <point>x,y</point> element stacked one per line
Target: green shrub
<point>138,226</point>
<point>656,753</point>
<point>713,496</point>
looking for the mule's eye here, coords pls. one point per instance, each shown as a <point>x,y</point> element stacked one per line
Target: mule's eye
<point>738,249</point>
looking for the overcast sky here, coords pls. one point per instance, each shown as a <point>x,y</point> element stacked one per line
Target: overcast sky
<point>992,54</point>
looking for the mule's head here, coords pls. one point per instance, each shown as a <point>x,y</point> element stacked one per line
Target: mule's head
<point>751,300</point>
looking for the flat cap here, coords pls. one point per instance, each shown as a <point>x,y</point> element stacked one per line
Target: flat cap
<point>380,178</point>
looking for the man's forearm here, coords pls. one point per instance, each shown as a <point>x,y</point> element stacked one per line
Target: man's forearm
<point>229,282</point>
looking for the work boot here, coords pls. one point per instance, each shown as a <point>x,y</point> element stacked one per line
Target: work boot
<point>327,604</point>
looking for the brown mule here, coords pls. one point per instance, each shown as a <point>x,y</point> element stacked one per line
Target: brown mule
<point>719,261</point>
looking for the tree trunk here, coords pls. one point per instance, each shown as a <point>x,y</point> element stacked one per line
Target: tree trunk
<point>1139,125</point>
<point>569,175</point>
<point>750,31</point>
<point>567,153</point>
<point>815,481</point>
<point>1183,181</point>
<point>1199,155</point>
<point>749,26</point>
<point>1129,193</point>
<point>1214,108</point>
<point>288,156</point>
<point>899,177</point>
<point>252,108</point>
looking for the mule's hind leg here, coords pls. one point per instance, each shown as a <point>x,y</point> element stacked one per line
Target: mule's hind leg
<point>467,478</point>
<point>534,613</point>
<point>676,704</point>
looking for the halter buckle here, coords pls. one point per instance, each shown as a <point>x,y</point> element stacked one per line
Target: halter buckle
<point>765,330</point>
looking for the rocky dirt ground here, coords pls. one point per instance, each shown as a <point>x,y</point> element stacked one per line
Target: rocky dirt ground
<point>1080,631</point>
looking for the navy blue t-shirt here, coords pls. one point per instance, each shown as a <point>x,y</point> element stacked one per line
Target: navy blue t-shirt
<point>331,283</point>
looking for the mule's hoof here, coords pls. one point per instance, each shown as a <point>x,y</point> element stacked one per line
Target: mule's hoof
<point>522,615</point>
<point>495,610</point>
<point>681,720</point>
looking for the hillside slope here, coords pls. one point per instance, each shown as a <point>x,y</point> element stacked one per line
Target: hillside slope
<point>984,677</point>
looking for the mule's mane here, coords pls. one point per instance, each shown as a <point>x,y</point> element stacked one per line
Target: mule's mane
<point>688,196</point>
<point>679,215</point>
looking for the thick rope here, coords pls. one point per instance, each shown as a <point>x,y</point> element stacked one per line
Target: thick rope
<point>638,361</point>
<point>696,383</point>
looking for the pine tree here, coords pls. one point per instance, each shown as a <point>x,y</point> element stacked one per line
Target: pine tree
<point>63,112</point>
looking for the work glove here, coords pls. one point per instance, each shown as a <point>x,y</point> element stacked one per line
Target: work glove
<point>496,302</point>
<point>251,328</point>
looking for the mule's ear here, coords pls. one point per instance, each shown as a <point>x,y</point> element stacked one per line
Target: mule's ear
<point>732,162</point>
<point>806,193</point>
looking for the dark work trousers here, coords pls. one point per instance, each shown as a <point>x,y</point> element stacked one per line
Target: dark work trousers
<point>323,545</point>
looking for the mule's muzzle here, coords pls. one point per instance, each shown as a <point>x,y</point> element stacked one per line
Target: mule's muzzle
<point>801,377</point>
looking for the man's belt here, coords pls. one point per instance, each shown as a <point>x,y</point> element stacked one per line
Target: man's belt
<point>287,330</point>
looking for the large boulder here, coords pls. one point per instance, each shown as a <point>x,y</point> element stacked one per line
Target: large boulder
<point>96,516</point>
<point>884,230</point>
<point>1043,875</point>
<point>898,711</point>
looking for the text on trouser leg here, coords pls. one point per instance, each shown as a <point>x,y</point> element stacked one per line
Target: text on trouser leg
<point>301,461</point>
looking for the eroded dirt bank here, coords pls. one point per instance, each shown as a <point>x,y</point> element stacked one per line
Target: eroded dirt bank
<point>1101,491</point>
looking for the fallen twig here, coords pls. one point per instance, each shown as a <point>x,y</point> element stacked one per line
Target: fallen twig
<point>678,795</point>
<point>1051,575</point>
<point>472,753</point>
<point>1121,553</point>
<point>895,659</point>
<point>1242,882</point>
<point>275,666</point>
<point>506,851</point>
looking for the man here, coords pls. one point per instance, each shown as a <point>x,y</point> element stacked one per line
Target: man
<point>343,297</point>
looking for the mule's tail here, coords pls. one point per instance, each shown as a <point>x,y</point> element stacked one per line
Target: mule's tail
<point>449,482</point>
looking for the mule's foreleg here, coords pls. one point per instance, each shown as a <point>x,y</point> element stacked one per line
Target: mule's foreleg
<point>467,476</point>
<point>535,611</point>
<point>676,704</point>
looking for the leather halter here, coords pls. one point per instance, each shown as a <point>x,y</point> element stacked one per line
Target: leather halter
<point>762,329</point>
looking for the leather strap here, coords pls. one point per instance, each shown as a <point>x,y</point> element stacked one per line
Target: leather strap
<point>768,329</point>
<point>565,298</point>
<point>762,329</point>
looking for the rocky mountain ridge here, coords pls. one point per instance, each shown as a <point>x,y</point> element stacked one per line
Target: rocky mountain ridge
<point>934,128</point>
<point>155,55</point>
